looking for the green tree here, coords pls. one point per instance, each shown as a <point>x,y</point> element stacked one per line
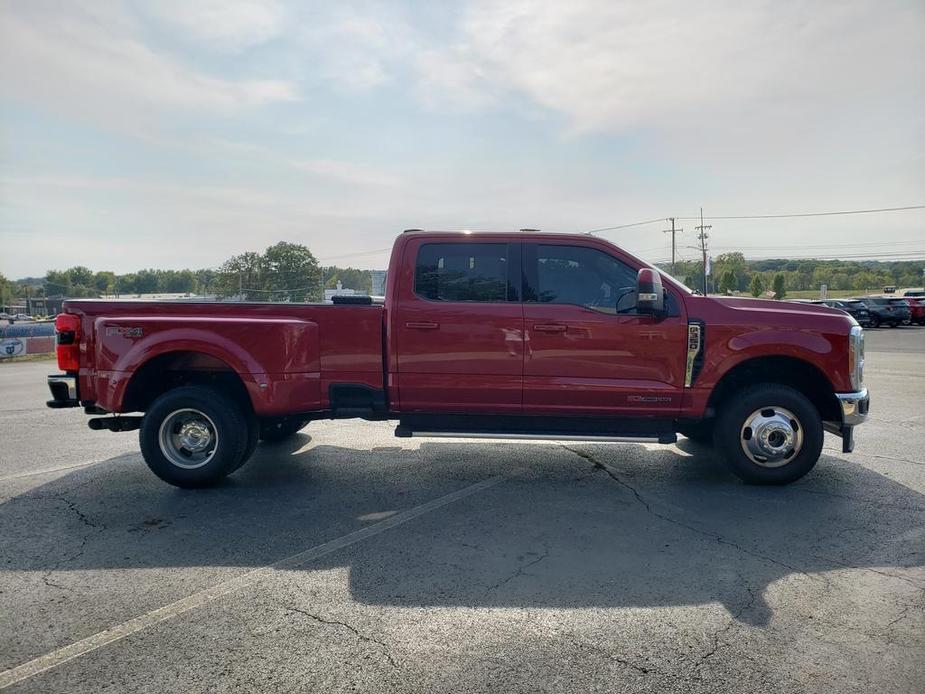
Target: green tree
<point>291,272</point>
<point>125,284</point>
<point>57,282</point>
<point>6,291</point>
<point>177,281</point>
<point>727,281</point>
<point>756,288</point>
<point>146,282</point>
<point>205,280</point>
<point>80,276</point>
<point>105,281</point>
<point>241,275</point>
<point>779,285</point>
<point>351,278</point>
<point>731,261</point>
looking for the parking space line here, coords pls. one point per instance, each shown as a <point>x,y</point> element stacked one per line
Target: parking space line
<point>48,471</point>
<point>203,597</point>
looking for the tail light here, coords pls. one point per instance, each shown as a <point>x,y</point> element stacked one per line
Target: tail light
<point>67,332</point>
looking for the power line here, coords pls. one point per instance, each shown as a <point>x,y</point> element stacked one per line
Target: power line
<point>767,216</point>
<point>813,214</point>
<point>870,244</point>
<point>351,255</point>
<point>627,226</point>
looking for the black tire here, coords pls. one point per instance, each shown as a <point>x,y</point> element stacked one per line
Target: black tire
<point>275,430</point>
<point>253,436</point>
<point>874,322</point>
<point>208,410</point>
<point>698,432</point>
<point>730,437</point>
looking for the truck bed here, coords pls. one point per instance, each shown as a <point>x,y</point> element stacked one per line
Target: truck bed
<point>287,355</point>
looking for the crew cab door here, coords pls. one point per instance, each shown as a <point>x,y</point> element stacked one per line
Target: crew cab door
<point>587,350</point>
<point>459,327</point>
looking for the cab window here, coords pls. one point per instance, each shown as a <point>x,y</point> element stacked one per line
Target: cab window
<point>464,272</point>
<point>581,276</point>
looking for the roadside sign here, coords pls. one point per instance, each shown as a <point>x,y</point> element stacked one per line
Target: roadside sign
<point>11,347</point>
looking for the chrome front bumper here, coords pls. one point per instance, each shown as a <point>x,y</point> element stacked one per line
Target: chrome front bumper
<point>854,407</point>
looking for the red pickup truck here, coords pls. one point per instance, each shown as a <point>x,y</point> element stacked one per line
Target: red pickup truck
<point>508,335</point>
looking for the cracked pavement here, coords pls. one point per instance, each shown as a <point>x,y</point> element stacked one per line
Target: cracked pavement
<point>588,567</point>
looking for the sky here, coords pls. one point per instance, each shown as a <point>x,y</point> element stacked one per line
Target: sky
<point>178,133</point>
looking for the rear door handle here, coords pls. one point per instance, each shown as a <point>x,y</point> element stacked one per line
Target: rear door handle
<point>423,325</point>
<point>550,327</point>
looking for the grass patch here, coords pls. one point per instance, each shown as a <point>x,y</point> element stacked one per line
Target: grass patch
<point>49,356</point>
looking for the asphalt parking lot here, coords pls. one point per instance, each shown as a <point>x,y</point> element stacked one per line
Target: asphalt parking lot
<point>349,560</point>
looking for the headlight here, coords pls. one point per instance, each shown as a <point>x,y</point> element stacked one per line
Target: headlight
<point>856,356</point>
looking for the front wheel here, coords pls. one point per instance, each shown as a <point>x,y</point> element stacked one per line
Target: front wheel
<point>194,436</point>
<point>769,434</point>
<point>873,322</point>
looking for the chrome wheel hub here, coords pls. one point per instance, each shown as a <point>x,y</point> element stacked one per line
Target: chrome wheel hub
<point>771,436</point>
<point>195,436</point>
<point>188,438</point>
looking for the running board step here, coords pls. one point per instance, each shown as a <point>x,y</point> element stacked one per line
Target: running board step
<point>402,431</point>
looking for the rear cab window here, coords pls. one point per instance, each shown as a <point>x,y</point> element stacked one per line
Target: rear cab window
<point>475,272</point>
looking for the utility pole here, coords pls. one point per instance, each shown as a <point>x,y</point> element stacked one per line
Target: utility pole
<point>702,236</point>
<point>672,231</point>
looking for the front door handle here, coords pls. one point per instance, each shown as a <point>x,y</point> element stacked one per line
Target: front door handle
<point>550,327</point>
<point>422,325</point>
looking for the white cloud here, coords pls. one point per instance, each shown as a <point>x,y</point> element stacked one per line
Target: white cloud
<point>224,25</point>
<point>740,107</point>
<point>352,50</point>
<point>622,66</point>
<point>345,172</point>
<point>92,64</point>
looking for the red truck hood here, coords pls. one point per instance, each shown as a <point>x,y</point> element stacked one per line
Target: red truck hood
<point>782,308</point>
<point>771,305</point>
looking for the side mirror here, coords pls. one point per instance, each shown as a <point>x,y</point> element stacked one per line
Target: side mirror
<point>650,296</point>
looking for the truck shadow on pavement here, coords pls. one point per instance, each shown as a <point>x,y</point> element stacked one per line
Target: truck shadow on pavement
<point>573,526</point>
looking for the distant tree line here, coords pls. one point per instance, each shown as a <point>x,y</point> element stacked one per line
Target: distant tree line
<point>283,272</point>
<point>733,272</point>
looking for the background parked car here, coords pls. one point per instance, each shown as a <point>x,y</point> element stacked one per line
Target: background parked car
<point>854,308</point>
<point>885,310</point>
<point>916,309</point>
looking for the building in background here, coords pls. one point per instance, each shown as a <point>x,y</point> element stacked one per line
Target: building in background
<point>378,277</point>
<point>44,305</point>
<point>340,291</point>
